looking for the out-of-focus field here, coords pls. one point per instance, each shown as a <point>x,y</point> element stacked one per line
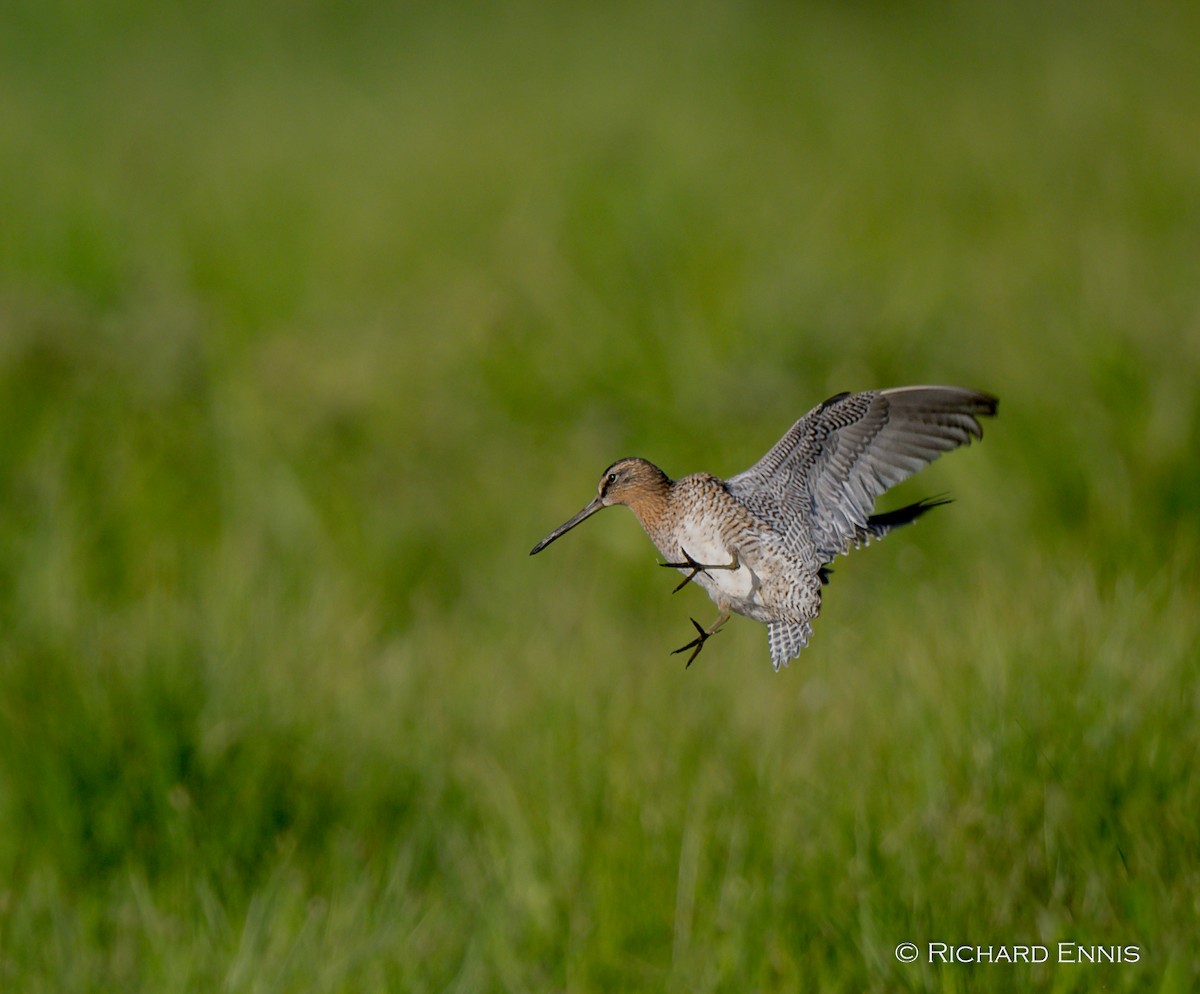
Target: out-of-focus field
<point>314,317</point>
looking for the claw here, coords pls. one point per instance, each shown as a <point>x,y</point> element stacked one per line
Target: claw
<point>695,644</point>
<point>696,568</point>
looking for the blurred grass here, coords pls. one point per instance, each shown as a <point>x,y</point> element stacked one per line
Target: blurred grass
<point>313,318</point>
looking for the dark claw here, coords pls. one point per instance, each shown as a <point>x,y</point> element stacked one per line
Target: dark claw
<point>696,568</point>
<point>696,644</point>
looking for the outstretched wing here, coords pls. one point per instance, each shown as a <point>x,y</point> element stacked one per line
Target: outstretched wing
<point>819,483</point>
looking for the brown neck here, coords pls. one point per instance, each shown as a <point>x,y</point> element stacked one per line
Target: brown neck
<point>652,506</point>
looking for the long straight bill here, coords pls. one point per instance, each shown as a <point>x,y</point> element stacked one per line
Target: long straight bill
<point>566,526</point>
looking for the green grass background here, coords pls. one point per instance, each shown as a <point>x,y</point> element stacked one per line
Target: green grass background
<point>315,316</point>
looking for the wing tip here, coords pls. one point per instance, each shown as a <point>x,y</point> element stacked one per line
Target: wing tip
<point>944,397</point>
<point>965,403</point>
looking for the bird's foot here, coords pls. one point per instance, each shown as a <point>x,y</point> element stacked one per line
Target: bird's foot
<point>696,568</point>
<point>696,644</point>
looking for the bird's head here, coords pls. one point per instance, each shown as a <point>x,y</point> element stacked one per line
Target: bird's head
<point>633,482</point>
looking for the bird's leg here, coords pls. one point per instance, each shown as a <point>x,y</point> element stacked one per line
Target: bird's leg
<point>696,567</point>
<point>702,636</point>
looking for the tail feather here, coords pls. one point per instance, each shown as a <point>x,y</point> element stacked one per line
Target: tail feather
<point>786,640</point>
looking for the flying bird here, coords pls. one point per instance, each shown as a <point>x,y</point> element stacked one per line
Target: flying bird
<point>760,543</point>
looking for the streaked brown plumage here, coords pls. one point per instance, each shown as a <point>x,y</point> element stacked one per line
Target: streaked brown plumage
<point>760,542</point>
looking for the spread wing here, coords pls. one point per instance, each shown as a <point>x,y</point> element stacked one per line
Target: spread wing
<point>818,484</point>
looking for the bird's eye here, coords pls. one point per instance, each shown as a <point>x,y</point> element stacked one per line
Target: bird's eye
<point>612,478</point>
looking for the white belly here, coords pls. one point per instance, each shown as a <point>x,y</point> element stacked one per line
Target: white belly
<point>738,588</point>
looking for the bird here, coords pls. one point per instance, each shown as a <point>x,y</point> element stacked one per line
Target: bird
<point>761,543</point>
